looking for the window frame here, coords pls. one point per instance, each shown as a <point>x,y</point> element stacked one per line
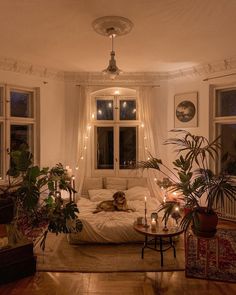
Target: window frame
<point>217,121</point>
<point>116,123</point>
<point>9,120</point>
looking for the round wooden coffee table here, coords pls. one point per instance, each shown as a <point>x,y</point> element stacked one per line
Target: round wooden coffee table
<point>158,235</point>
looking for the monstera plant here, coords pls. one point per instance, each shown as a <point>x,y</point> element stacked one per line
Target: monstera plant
<point>193,179</point>
<point>35,195</point>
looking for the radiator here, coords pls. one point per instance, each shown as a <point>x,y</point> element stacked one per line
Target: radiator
<point>229,210</point>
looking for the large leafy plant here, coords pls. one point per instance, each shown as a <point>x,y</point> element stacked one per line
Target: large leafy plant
<point>36,193</point>
<point>191,175</point>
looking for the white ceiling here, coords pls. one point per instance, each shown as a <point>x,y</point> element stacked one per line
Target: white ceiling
<point>167,34</point>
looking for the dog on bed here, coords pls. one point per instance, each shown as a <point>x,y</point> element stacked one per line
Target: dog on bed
<point>118,204</point>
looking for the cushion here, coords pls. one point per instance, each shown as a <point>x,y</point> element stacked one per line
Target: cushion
<point>138,181</point>
<point>93,183</point>
<point>99,195</point>
<point>137,193</point>
<point>116,183</point>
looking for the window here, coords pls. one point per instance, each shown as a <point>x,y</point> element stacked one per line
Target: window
<point>18,118</point>
<point>115,133</point>
<point>224,120</point>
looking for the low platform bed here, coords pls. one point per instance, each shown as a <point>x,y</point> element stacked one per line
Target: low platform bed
<point>112,227</point>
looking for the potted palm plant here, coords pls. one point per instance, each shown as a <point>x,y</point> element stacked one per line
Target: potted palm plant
<point>34,193</point>
<point>193,179</point>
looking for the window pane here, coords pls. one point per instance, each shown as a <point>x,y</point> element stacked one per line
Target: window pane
<point>1,150</point>
<point>127,109</point>
<point>21,134</point>
<point>105,148</point>
<point>104,109</point>
<point>21,104</point>
<point>228,152</point>
<point>226,102</point>
<point>127,147</point>
<point>1,101</point>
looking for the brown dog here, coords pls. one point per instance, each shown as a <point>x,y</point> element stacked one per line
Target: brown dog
<point>118,204</point>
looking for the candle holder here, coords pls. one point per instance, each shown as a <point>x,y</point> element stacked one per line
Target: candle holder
<point>73,187</point>
<point>165,228</point>
<point>145,218</point>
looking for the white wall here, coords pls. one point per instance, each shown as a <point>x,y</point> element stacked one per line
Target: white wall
<point>58,109</point>
<point>51,113</point>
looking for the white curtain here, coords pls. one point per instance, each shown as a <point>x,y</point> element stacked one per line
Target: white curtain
<point>153,118</point>
<point>77,132</point>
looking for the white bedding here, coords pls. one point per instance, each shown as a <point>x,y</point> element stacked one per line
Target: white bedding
<point>110,227</point>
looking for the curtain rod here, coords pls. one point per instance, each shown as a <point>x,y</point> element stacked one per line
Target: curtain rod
<point>216,77</point>
<point>122,86</point>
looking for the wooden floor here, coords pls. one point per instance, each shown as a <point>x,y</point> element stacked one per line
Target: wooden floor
<point>48,283</point>
<point>135,283</point>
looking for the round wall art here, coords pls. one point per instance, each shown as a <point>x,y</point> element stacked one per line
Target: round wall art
<point>186,110</point>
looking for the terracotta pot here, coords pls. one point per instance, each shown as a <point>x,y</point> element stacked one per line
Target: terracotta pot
<point>6,210</point>
<point>205,223</point>
<point>187,210</point>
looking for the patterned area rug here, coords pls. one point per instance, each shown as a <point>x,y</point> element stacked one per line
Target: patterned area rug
<point>215,261</point>
<point>59,255</point>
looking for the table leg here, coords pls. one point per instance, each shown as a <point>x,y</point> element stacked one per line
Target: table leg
<point>161,251</point>
<point>173,246</point>
<point>144,246</point>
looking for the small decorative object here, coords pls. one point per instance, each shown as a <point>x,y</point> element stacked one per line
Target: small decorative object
<point>186,110</point>
<point>153,224</point>
<point>165,228</point>
<point>139,220</point>
<point>176,215</point>
<point>154,215</point>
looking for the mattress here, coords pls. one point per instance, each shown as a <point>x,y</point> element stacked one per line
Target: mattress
<point>110,227</point>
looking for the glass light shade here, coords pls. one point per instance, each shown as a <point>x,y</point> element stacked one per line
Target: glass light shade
<point>112,70</point>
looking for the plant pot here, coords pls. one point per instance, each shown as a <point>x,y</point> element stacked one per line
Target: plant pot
<point>6,210</point>
<point>205,223</point>
<point>187,210</point>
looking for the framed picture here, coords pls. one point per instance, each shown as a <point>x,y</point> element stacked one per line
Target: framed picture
<point>186,110</point>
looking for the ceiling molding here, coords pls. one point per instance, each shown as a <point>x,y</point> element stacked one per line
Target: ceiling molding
<point>206,69</point>
<point>16,66</point>
<point>134,78</point>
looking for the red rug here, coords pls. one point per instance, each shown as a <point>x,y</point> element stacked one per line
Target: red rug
<point>212,259</point>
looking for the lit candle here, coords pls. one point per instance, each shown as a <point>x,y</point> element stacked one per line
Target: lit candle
<point>145,202</point>
<point>69,171</point>
<point>164,198</point>
<point>153,224</point>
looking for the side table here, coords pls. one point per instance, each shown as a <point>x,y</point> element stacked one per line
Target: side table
<point>158,235</point>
